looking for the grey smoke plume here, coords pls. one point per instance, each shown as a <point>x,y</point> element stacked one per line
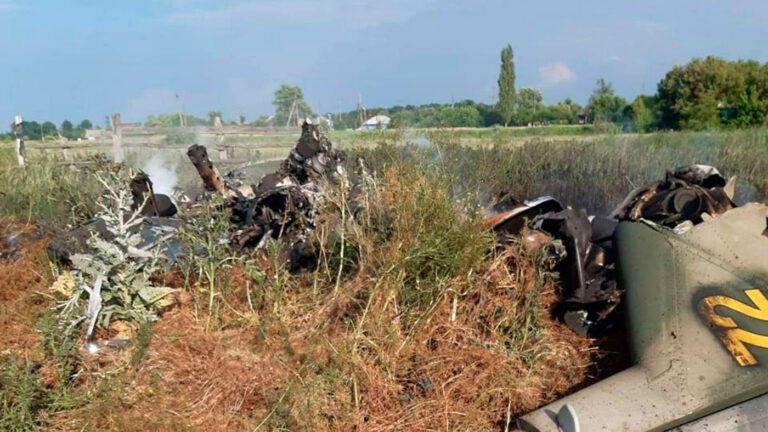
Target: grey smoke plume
<point>162,173</point>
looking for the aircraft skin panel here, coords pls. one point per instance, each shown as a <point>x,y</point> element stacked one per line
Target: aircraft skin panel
<point>697,306</point>
<point>750,416</point>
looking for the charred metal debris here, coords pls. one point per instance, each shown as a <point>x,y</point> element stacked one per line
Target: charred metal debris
<point>284,206</point>
<point>583,245</point>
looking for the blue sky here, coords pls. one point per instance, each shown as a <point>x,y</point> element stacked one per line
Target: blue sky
<point>85,59</point>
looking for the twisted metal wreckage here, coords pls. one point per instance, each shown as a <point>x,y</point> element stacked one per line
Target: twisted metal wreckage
<point>662,269</point>
<point>284,205</point>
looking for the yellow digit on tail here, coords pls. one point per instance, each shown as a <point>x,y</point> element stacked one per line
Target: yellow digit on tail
<point>735,338</point>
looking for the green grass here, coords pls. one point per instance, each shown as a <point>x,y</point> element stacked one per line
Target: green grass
<point>26,402</point>
<point>594,173</point>
<point>573,163</point>
<point>21,396</point>
<point>45,191</point>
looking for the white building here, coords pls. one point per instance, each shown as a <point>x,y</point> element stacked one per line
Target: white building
<point>376,122</point>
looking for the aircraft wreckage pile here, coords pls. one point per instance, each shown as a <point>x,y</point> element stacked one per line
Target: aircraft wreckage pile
<point>283,206</point>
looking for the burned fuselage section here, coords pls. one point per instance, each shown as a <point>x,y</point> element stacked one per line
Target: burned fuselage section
<point>691,269</point>
<point>284,203</point>
<point>587,259</point>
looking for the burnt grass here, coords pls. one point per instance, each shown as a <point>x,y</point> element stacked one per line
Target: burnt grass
<point>411,320</point>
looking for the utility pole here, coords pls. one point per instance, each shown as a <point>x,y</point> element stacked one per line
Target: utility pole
<point>181,111</point>
<point>18,130</point>
<point>361,115</point>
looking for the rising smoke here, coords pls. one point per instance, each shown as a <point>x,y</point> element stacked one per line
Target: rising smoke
<point>162,173</point>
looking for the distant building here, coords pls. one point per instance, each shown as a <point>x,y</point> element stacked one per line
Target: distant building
<point>94,134</point>
<point>376,122</point>
<point>582,117</point>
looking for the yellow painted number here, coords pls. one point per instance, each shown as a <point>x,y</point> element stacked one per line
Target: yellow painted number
<point>734,338</point>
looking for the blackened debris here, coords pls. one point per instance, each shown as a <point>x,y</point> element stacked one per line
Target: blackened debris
<point>208,173</point>
<point>11,242</point>
<point>159,205</point>
<point>684,195</point>
<point>513,214</point>
<point>285,202</point>
<point>75,240</point>
<point>587,268</point>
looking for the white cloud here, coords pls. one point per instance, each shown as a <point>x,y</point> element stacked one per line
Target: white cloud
<point>555,73</point>
<point>616,59</point>
<point>347,13</point>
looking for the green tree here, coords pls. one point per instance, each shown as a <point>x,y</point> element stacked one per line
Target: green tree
<point>32,130</point>
<point>49,129</point>
<point>460,116</point>
<point>640,115</point>
<point>528,102</point>
<point>704,114</point>
<point>506,104</point>
<point>290,105</point>
<point>67,129</point>
<point>85,124</point>
<point>564,112</point>
<point>713,92</point>
<point>604,105</point>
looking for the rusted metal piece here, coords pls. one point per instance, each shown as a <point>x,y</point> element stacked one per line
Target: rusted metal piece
<point>588,304</point>
<point>585,263</point>
<point>284,203</point>
<point>228,186</point>
<point>512,214</point>
<point>684,195</point>
<point>208,173</point>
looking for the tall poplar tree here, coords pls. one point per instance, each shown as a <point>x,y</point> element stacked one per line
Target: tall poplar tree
<point>506,105</point>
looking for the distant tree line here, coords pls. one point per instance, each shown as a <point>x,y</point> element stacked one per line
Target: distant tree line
<point>709,93</point>
<point>174,120</point>
<point>466,113</point>
<point>36,131</point>
<point>703,94</point>
<point>706,93</point>
<point>712,93</point>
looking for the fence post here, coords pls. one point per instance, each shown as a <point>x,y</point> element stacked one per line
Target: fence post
<point>220,138</point>
<point>117,137</point>
<point>67,153</point>
<point>18,130</point>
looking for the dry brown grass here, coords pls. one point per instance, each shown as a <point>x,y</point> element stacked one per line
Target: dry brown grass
<point>22,279</point>
<point>465,345</point>
<point>427,328</point>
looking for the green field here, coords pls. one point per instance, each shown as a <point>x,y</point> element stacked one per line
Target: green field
<point>586,169</point>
